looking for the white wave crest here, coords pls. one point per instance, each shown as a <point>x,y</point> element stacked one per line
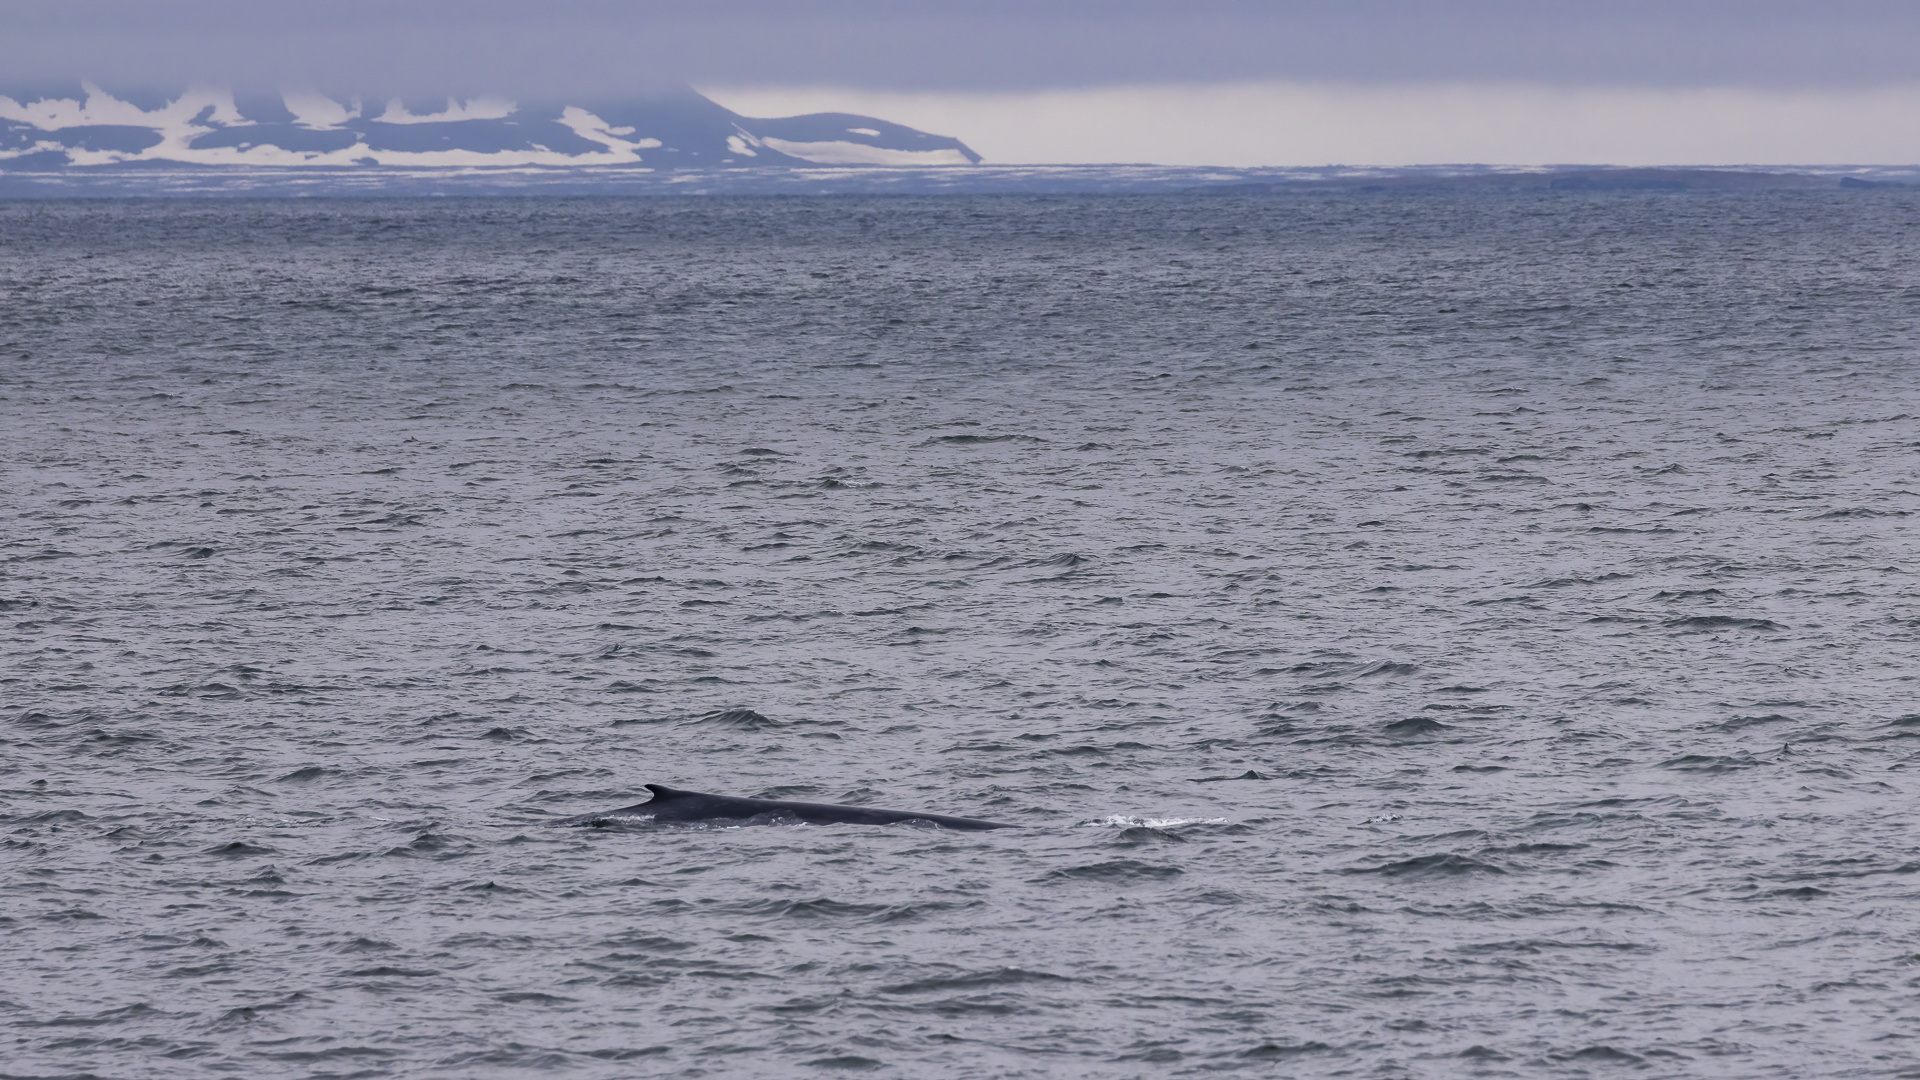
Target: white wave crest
<point>1127,821</point>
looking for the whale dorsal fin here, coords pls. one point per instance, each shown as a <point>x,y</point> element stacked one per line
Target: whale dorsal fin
<point>663,793</point>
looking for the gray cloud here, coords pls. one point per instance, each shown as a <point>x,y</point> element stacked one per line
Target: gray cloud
<point>605,47</point>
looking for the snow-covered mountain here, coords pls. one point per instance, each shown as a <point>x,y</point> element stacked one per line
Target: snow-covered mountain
<point>87,126</point>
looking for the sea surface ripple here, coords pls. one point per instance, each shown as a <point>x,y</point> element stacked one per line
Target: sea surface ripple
<point>1421,636</point>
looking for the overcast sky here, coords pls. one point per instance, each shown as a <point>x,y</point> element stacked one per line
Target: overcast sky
<point>1254,81</point>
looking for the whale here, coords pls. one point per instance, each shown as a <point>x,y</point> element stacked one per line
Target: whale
<point>675,807</point>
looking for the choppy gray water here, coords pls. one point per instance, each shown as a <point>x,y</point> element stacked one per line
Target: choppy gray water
<point>1421,636</point>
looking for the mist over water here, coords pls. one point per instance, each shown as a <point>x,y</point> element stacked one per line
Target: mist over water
<point>1419,636</point>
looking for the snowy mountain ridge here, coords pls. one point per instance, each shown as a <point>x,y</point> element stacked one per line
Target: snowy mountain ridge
<point>212,127</point>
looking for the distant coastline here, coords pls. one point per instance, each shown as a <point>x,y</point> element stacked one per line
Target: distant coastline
<point>84,127</point>
<point>79,140</point>
<point>167,180</point>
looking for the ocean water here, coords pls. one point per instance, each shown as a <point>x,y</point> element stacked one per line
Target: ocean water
<point>1419,636</point>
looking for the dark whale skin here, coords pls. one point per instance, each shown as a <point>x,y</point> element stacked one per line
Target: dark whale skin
<point>676,807</point>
